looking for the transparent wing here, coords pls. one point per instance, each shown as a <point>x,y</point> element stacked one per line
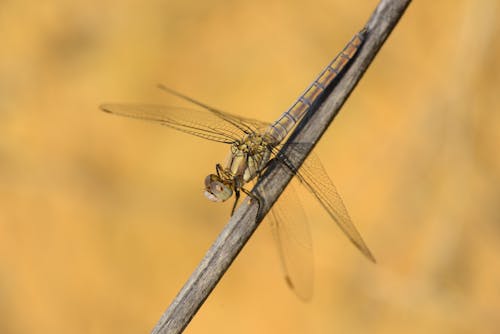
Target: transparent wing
<point>249,122</point>
<point>293,239</point>
<point>313,176</point>
<point>208,124</point>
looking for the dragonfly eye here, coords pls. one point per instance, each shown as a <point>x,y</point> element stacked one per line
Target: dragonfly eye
<point>216,190</point>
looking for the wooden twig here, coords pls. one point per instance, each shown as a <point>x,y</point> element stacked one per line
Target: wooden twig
<point>247,218</point>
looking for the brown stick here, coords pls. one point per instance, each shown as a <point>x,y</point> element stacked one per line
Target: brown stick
<point>244,222</point>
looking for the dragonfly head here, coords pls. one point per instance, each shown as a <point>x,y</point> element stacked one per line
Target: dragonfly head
<point>216,189</point>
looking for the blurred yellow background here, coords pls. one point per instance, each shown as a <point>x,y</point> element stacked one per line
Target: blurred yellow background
<point>102,219</point>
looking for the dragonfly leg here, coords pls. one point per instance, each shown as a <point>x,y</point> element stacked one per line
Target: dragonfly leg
<point>219,169</point>
<point>253,197</point>
<point>265,166</point>
<point>237,198</point>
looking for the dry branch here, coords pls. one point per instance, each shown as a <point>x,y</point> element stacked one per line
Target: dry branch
<point>243,223</point>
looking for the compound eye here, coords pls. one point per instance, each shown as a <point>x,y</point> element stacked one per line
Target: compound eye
<point>211,180</point>
<point>216,190</point>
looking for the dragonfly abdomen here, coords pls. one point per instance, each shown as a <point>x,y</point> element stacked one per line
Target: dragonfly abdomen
<point>280,129</point>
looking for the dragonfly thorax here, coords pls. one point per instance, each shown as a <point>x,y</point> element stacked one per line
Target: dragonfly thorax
<point>246,160</point>
<point>248,157</point>
<point>253,143</point>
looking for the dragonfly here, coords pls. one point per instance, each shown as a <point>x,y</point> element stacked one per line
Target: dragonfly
<point>253,144</point>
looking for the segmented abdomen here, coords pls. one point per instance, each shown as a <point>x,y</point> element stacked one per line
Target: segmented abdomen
<point>279,129</point>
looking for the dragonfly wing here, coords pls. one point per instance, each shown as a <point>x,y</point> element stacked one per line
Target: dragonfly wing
<point>246,122</point>
<point>216,126</point>
<point>293,239</point>
<point>314,177</point>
